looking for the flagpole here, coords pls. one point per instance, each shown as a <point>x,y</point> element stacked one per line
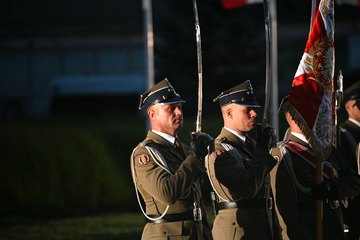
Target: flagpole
<point>314,7</point>
<point>149,45</point>
<point>318,166</point>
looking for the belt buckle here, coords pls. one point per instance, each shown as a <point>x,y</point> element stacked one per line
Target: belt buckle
<point>197,213</point>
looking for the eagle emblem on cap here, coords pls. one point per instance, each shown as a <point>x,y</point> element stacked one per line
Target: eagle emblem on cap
<point>144,159</point>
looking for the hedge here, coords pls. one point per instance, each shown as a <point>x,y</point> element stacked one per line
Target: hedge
<point>48,170</point>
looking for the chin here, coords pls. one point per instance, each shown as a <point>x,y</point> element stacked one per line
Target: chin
<point>179,123</point>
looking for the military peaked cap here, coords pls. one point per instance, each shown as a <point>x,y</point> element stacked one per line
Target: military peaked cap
<point>161,93</point>
<point>284,104</point>
<point>241,94</point>
<point>352,93</point>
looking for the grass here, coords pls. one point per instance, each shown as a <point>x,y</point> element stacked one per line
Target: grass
<point>105,227</point>
<point>124,226</point>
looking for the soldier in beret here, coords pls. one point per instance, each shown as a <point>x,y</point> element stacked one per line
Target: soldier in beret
<point>166,171</point>
<point>238,171</point>
<point>350,149</point>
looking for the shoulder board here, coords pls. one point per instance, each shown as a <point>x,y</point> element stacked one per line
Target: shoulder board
<point>281,143</point>
<point>220,140</point>
<point>145,143</point>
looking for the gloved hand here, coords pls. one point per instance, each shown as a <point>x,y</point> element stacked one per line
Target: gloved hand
<point>325,190</point>
<point>264,136</point>
<point>199,144</point>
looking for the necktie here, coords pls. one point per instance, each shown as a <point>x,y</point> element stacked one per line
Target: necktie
<point>178,145</point>
<point>249,144</point>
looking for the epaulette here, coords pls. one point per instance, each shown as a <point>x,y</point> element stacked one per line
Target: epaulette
<point>220,140</point>
<point>145,143</point>
<point>219,153</point>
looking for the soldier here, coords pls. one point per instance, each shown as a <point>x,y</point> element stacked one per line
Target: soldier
<point>349,147</point>
<point>166,172</point>
<point>294,188</point>
<point>238,171</point>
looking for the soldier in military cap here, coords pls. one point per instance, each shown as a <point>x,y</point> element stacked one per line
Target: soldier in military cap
<point>350,148</point>
<point>293,183</point>
<point>166,171</point>
<point>238,169</point>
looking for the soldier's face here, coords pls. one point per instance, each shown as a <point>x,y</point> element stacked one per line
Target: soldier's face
<point>167,118</point>
<point>244,118</point>
<point>353,109</point>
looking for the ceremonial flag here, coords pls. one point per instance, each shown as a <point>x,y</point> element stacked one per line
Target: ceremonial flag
<point>348,2</point>
<point>231,4</point>
<point>311,101</point>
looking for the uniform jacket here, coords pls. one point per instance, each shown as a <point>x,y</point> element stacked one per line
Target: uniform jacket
<point>240,178</point>
<point>177,187</point>
<point>348,143</point>
<point>349,147</point>
<point>297,207</point>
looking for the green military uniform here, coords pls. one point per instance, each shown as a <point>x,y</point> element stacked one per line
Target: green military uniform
<point>238,173</point>
<point>293,181</point>
<point>239,183</point>
<point>167,177</point>
<point>350,149</point>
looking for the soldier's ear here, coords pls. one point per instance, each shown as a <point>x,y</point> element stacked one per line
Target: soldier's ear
<point>229,112</point>
<point>152,112</point>
<point>288,116</point>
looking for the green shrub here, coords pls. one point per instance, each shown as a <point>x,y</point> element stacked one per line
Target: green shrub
<point>57,170</point>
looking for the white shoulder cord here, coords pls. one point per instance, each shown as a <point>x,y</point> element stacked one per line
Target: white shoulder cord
<point>207,164</point>
<point>153,152</point>
<point>289,166</point>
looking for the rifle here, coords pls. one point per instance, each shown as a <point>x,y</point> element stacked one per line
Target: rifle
<point>338,102</point>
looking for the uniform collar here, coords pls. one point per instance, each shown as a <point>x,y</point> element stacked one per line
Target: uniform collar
<point>357,123</point>
<point>242,137</point>
<point>300,136</point>
<point>168,137</point>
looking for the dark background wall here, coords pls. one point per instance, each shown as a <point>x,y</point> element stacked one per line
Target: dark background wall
<point>233,41</point>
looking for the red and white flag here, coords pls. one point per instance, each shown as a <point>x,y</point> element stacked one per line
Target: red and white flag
<point>231,4</point>
<point>348,2</point>
<point>310,98</point>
